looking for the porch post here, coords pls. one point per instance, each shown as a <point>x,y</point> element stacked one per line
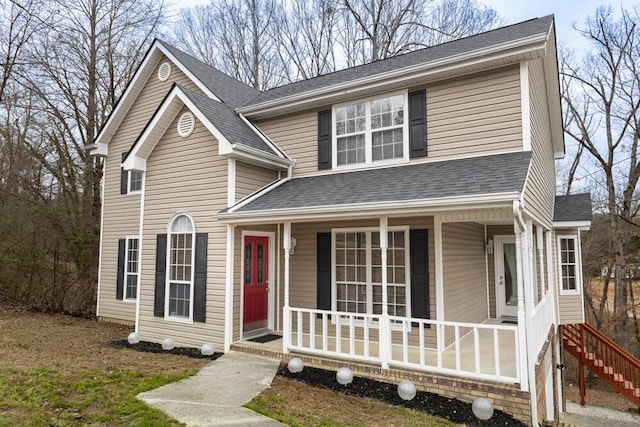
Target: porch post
<point>529,266</point>
<point>286,321</point>
<point>385,327</point>
<point>228,301</point>
<point>522,339</point>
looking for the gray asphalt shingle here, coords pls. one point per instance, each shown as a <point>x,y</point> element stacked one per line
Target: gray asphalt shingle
<point>501,173</point>
<point>575,207</point>
<point>228,89</point>
<point>438,52</point>
<point>227,121</point>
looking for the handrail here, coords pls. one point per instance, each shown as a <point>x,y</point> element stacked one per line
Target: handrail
<point>604,357</point>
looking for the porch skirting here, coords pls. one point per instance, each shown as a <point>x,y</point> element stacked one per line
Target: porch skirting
<point>505,397</point>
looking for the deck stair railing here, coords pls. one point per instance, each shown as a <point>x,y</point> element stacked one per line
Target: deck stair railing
<point>604,358</point>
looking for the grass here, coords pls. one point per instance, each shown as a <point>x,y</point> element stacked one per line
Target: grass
<point>299,405</point>
<point>48,397</point>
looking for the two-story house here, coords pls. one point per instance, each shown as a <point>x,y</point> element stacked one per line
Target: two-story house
<point>398,217</point>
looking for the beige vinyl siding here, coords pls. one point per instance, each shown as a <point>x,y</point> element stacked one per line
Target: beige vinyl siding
<point>540,187</point>
<point>469,116</point>
<point>492,231</point>
<point>185,175</point>
<point>250,178</point>
<point>570,307</point>
<point>463,257</point>
<point>475,115</point>
<point>121,215</point>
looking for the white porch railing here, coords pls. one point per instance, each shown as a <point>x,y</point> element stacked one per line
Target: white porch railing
<point>483,351</point>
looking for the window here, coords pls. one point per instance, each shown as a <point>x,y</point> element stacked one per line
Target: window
<point>131,268</point>
<point>569,271</point>
<point>371,131</point>
<point>358,271</point>
<point>180,271</point>
<point>135,181</point>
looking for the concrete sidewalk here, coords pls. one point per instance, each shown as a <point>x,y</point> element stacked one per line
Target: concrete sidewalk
<point>593,416</point>
<point>215,395</point>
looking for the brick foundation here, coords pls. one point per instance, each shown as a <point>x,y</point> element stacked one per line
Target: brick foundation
<point>505,397</point>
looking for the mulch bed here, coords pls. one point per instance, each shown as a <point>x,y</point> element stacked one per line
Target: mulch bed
<point>453,410</point>
<point>151,347</point>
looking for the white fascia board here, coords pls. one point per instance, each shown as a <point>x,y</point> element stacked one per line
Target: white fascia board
<point>500,51</point>
<point>266,139</point>
<point>579,225</point>
<point>135,163</point>
<point>99,149</point>
<point>442,204</point>
<point>255,156</point>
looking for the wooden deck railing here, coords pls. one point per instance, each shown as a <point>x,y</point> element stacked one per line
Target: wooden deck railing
<point>605,358</point>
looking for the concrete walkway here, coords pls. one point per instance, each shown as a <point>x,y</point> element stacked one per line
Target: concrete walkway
<point>215,395</point>
<point>593,416</point>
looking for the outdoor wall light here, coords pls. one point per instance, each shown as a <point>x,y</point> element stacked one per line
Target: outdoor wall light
<point>344,376</point>
<point>133,338</point>
<point>406,390</point>
<point>490,247</point>
<point>482,408</point>
<point>292,249</point>
<point>207,349</point>
<point>168,344</point>
<point>295,365</point>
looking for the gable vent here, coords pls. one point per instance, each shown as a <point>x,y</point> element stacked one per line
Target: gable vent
<point>186,123</point>
<point>164,71</point>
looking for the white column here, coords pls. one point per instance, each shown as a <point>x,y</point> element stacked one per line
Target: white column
<point>437,237</point>
<point>522,337</point>
<point>385,327</point>
<point>228,301</point>
<point>541,264</point>
<point>286,320</point>
<point>529,265</point>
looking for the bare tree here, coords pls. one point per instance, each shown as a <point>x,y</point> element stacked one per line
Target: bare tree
<point>306,38</point>
<point>601,97</point>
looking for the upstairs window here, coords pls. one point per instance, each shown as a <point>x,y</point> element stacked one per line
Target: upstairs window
<point>569,267</point>
<point>373,130</point>
<point>135,181</point>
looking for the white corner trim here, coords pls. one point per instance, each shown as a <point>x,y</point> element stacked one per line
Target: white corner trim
<point>228,300</point>
<point>439,273</point>
<point>104,178</point>
<point>525,105</point>
<point>231,182</point>
<point>140,234</point>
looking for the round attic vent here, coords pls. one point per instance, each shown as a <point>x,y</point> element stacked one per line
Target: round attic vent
<point>164,71</point>
<point>186,123</point>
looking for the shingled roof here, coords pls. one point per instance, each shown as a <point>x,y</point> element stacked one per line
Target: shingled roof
<point>500,36</point>
<point>230,91</point>
<point>573,208</point>
<point>227,121</point>
<point>495,174</point>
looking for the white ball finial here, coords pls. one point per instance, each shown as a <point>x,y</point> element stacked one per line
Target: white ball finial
<point>295,365</point>
<point>168,344</point>
<point>133,338</point>
<point>406,390</point>
<point>207,349</point>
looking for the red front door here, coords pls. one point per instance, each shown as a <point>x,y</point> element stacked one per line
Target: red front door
<point>256,279</point>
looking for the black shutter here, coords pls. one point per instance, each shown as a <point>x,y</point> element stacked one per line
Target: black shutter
<point>418,123</point>
<point>324,139</point>
<point>323,269</point>
<point>124,177</point>
<point>419,274</point>
<point>161,275</point>
<point>121,261</point>
<point>200,279</point>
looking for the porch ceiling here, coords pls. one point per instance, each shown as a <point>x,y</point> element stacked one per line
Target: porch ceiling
<point>457,182</point>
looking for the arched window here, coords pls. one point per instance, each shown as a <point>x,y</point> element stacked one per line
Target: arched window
<point>180,271</point>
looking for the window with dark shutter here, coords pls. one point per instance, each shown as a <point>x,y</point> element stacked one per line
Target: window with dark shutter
<point>200,279</point>
<point>323,271</point>
<point>418,123</point>
<point>121,261</point>
<point>419,274</point>
<point>124,177</point>
<point>161,270</point>
<point>324,139</point>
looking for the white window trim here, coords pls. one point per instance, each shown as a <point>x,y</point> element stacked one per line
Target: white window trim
<point>129,190</point>
<point>368,144</point>
<point>167,286</point>
<point>334,285</point>
<point>578,264</point>
<point>126,268</point>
